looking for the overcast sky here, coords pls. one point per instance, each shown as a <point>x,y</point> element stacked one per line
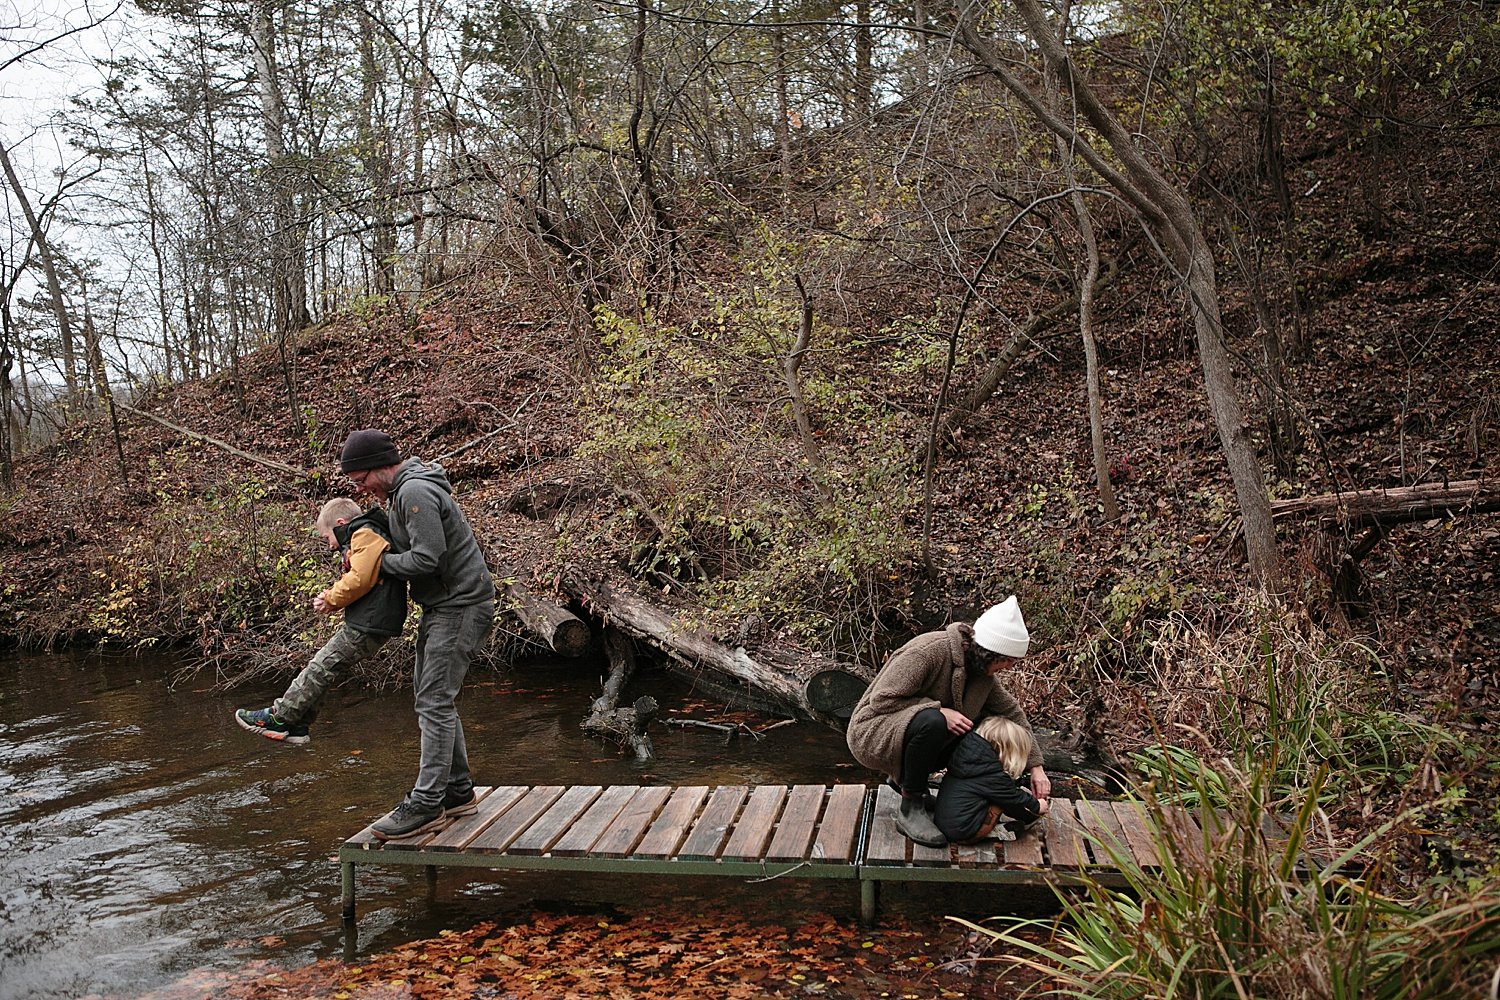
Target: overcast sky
<point>47,53</point>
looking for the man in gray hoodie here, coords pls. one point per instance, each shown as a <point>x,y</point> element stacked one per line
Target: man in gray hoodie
<point>434,550</point>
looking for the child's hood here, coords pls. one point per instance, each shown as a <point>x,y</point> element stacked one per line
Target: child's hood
<point>972,756</point>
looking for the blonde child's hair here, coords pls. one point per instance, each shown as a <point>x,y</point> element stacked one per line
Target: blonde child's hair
<point>1012,743</point>
<point>339,508</point>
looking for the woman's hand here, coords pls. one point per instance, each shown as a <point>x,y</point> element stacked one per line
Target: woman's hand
<point>1041,785</point>
<point>958,723</point>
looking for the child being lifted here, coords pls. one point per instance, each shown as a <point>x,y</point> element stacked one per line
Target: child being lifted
<point>981,785</point>
<point>374,609</point>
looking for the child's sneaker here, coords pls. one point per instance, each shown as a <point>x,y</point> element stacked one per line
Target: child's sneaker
<point>262,722</point>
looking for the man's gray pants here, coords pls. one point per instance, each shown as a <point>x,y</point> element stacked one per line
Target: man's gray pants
<point>328,666</point>
<point>447,639</point>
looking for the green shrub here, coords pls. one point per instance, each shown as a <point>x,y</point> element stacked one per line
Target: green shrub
<point>718,492</point>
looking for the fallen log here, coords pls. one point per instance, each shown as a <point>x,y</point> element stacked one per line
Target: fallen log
<point>1374,512</point>
<point>782,675</point>
<point>549,623</point>
<point>626,726</point>
<point>1395,505</point>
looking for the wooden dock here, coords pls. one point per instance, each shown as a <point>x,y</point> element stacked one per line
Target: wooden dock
<point>803,831</point>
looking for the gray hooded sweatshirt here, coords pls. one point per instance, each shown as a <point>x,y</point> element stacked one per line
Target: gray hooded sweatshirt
<point>433,545</point>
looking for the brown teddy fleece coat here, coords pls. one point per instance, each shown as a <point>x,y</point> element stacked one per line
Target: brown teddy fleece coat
<point>927,672</point>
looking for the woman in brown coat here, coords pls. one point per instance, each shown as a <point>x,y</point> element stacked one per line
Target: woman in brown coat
<point>929,693</point>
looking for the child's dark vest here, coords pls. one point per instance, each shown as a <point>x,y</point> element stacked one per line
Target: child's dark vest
<point>382,611</point>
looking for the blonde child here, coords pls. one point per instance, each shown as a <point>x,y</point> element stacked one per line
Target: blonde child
<point>374,609</point>
<point>981,785</point>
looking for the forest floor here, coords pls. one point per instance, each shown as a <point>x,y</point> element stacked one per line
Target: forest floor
<point>1401,384</point>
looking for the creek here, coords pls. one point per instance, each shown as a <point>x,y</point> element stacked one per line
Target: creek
<point>147,843</point>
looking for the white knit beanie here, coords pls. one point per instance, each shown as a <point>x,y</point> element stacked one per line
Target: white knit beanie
<point>1002,630</point>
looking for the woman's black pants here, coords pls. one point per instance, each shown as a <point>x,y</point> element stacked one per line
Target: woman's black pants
<point>926,748</point>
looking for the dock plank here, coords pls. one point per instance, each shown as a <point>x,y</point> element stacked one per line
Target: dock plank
<point>1062,841</point>
<point>671,826</point>
<point>1026,849</point>
<point>973,855</point>
<point>929,857</point>
<point>1186,836</point>
<point>491,806</point>
<point>582,833</point>
<point>627,827</point>
<point>752,832</point>
<point>713,824</point>
<point>495,838</point>
<point>1098,821</point>
<point>539,837</point>
<point>794,834</point>
<point>1137,834</point>
<point>838,833</point>
<point>887,845</point>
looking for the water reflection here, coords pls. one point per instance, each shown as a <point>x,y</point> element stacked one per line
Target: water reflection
<point>143,834</point>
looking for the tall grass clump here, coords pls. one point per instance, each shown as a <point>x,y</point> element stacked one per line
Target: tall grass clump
<point>1235,912</point>
<point>1257,893</point>
<point>1268,688</point>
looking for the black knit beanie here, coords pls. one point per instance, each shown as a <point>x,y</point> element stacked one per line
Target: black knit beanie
<point>368,449</point>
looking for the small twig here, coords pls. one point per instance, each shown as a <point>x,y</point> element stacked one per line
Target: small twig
<point>685,723</point>
<point>510,424</point>
<point>269,463</point>
<point>769,878</point>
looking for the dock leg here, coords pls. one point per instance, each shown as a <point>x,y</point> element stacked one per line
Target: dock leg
<point>869,901</point>
<point>431,883</point>
<point>347,871</point>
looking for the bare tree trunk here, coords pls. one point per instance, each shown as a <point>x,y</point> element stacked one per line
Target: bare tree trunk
<point>657,228</point>
<point>375,153</point>
<point>8,442</point>
<point>101,380</point>
<point>1168,214</point>
<point>419,146</point>
<point>864,63</point>
<point>154,238</point>
<point>1091,355</point>
<point>288,284</point>
<point>49,268</point>
<point>1086,309</point>
<point>783,107</point>
<point>1274,163</point>
<point>791,368</point>
<point>924,62</point>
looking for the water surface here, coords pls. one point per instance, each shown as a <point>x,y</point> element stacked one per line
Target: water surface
<point>147,841</point>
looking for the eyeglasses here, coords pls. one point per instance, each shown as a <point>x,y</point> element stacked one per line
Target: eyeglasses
<point>359,476</point>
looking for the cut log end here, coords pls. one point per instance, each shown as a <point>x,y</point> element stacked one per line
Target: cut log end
<point>572,638</point>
